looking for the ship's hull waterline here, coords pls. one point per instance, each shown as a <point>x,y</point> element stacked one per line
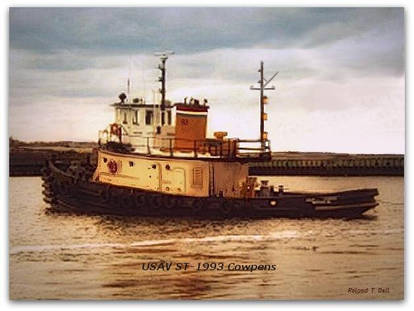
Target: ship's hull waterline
<point>69,193</point>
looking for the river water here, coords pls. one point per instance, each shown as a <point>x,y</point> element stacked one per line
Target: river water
<point>55,256</point>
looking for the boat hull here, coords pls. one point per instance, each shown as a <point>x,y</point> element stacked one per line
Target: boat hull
<point>70,193</point>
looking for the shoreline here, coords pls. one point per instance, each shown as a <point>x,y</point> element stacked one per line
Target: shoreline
<point>28,159</point>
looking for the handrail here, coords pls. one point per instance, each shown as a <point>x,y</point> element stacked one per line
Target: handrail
<point>228,149</point>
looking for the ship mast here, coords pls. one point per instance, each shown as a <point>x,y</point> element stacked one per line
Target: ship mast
<point>263,87</point>
<point>163,57</point>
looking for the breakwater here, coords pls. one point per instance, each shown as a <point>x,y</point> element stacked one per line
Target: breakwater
<point>29,161</point>
<point>330,164</point>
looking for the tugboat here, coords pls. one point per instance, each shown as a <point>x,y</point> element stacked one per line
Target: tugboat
<point>156,160</point>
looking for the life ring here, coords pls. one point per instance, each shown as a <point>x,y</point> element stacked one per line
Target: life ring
<point>112,166</point>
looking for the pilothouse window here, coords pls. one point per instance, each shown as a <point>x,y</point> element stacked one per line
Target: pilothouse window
<point>169,117</point>
<point>148,117</point>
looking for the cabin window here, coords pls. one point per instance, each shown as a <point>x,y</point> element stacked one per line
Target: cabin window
<point>131,164</point>
<point>198,177</point>
<point>135,118</point>
<point>125,118</point>
<point>169,117</point>
<point>149,115</point>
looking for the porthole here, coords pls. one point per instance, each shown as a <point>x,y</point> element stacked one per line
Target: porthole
<point>273,203</point>
<point>167,167</point>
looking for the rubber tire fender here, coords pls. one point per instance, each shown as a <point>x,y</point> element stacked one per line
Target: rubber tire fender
<point>127,199</point>
<point>106,194</point>
<point>226,208</point>
<point>197,206</point>
<point>170,202</point>
<point>140,201</point>
<point>63,187</point>
<point>156,201</point>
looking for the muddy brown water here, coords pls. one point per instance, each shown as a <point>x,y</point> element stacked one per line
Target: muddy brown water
<point>55,256</point>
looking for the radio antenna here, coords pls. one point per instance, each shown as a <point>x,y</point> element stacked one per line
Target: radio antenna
<point>263,99</point>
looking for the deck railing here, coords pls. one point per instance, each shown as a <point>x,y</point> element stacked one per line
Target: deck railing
<point>181,147</point>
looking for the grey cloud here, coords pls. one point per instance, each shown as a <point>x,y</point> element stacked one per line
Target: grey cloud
<point>368,40</point>
<point>187,30</point>
<point>107,75</point>
<point>66,60</point>
<point>330,61</point>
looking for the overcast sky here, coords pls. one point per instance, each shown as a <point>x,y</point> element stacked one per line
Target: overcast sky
<point>340,87</point>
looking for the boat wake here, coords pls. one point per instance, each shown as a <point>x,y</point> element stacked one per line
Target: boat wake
<point>282,235</point>
<point>288,234</point>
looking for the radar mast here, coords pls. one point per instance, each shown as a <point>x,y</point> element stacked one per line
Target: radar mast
<point>263,100</point>
<point>163,57</point>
